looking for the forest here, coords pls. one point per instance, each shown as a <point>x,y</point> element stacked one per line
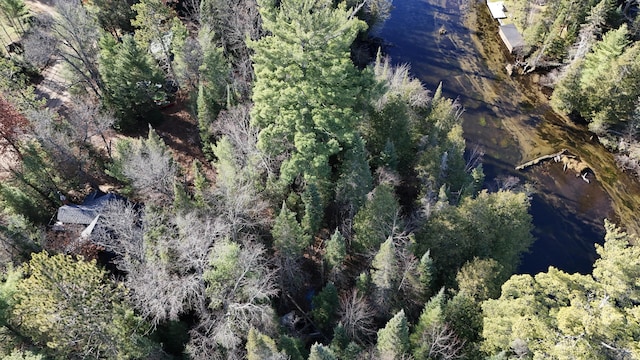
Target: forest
<point>255,179</point>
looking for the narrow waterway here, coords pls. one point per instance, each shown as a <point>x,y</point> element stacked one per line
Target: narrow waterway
<point>456,42</point>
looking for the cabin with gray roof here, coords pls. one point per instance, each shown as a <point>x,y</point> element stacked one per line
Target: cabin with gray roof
<point>84,213</point>
<point>511,37</point>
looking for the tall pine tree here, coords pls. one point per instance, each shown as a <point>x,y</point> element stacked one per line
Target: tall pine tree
<point>307,89</point>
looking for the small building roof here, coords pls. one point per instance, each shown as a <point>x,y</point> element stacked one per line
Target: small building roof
<point>497,9</point>
<point>87,211</point>
<point>511,37</point>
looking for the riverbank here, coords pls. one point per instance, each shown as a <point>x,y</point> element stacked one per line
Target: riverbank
<point>623,189</point>
<point>510,119</point>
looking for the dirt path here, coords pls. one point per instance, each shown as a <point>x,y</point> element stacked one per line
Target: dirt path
<point>179,130</point>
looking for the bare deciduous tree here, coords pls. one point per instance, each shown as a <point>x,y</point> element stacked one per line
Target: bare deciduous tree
<point>357,316</point>
<point>39,44</point>
<point>77,32</point>
<point>443,342</point>
<point>186,263</point>
<point>86,120</point>
<point>149,166</point>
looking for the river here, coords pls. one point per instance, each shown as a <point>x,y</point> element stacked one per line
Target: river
<point>510,119</point>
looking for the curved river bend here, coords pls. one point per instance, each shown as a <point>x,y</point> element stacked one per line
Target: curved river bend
<point>510,119</point>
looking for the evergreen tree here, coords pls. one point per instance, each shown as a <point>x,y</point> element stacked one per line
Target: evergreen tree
<point>10,336</point>
<point>384,275</point>
<point>432,314</point>
<point>291,346</point>
<point>479,279</point>
<point>70,307</point>
<point>158,29</point>
<point>377,220</point>
<point>133,82</point>
<point>393,340</point>
<point>261,347</point>
<point>306,90</point>
<point>336,251</point>
<point>355,179</point>
<point>321,352</point>
<point>313,210</point>
<point>559,315</point>
<point>114,16</point>
<point>441,147</point>
<point>495,225</point>
<point>288,236</point>
<point>325,306</point>
<point>425,270</point>
<point>342,346</point>
<point>213,84</point>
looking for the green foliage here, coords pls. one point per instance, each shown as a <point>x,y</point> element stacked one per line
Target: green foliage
<point>71,308</point>
<point>18,239</point>
<point>306,90</point>
<point>342,346</point>
<point>260,346</point>
<point>224,266</point>
<point>325,305</point>
<point>393,115</point>
<point>133,81</point>
<point>288,235</point>
<point>441,151</point>
<point>114,16</point>
<point>158,29</point>
<point>432,315</point>
<point>321,352</point>
<point>385,274</point>
<point>388,135</point>
<point>464,315</point>
<point>425,270</point>
<point>480,279</point>
<point>32,190</point>
<point>8,288</point>
<point>15,84</point>
<point>393,339</point>
<point>336,251</point>
<point>355,180</point>
<point>377,220</point>
<point>552,28</point>
<point>212,87</point>
<point>618,268</point>
<point>602,88</point>
<point>567,96</point>
<point>23,355</point>
<point>558,315</point>
<point>313,209</point>
<point>292,347</point>
<point>181,199</point>
<point>493,225</point>
<point>200,184</point>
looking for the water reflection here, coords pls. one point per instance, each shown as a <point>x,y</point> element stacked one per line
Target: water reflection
<point>512,125</point>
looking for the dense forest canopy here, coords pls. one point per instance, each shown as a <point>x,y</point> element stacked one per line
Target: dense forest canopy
<point>309,209</point>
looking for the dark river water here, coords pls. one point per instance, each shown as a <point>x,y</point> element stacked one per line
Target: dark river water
<point>456,42</point>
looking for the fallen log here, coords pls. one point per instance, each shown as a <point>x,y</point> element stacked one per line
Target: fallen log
<point>541,158</point>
